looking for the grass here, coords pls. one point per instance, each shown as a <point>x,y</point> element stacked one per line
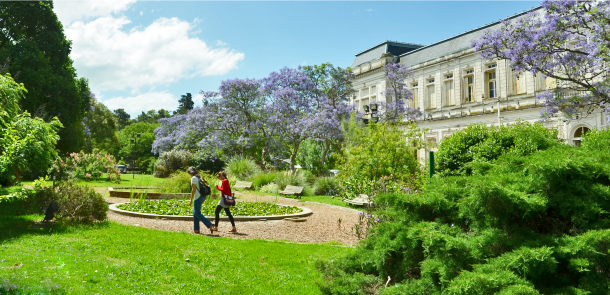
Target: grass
<point>113,258</point>
<point>126,180</point>
<point>8,190</point>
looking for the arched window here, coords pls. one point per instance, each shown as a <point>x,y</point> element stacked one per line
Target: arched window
<point>578,133</point>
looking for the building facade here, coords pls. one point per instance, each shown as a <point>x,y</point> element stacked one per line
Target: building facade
<point>454,87</point>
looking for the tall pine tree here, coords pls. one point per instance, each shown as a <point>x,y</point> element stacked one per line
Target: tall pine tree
<point>185,103</point>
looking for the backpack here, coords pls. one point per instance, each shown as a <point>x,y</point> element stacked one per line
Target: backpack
<point>203,188</point>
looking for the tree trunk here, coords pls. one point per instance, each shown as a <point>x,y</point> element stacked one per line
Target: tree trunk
<point>294,155</point>
<point>323,159</point>
<point>263,154</point>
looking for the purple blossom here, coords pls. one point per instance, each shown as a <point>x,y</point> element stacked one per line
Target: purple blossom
<point>395,107</point>
<point>264,119</point>
<point>568,41</point>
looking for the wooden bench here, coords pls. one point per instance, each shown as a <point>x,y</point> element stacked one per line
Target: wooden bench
<point>243,185</point>
<point>359,200</point>
<point>292,190</point>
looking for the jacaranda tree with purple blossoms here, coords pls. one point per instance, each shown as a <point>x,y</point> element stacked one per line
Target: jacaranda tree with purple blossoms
<point>567,40</point>
<point>291,110</point>
<point>234,120</point>
<point>396,107</point>
<point>263,119</point>
<point>333,89</point>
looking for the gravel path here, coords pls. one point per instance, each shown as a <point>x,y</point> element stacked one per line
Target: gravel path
<point>319,227</point>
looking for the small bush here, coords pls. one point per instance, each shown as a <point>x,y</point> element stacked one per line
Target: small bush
<point>478,143</point>
<point>77,203</point>
<point>179,182</point>
<point>596,140</point>
<point>270,188</point>
<point>150,169</point>
<point>241,168</point>
<point>171,161</point>
<point>146,164</point>
<point>262,179</point>
<point>282,179</point>
<point>309,176</point>
<point>307,191</point>
<point>206,164</point>
<point>327,186</point>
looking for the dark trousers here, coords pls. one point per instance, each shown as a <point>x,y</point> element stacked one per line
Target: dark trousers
<point>218,208</point>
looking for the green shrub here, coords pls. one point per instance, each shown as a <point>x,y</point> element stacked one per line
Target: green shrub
<point>150,169</point>
<point>596,139</point>
<point>146,164</point>
<point>308,191</point>
<point>261,179</point>
<point>327,186</point>
<point>282,179</point>
<point>310,156</point>
<point>179,182</point>
<point>534,224</point>
<point>207,164</point>
<point>479,143</point>
<point>77,203</point>
<point>270,188</point>
<point>241,168</point>
<point>171,161</point>
<point>380,150</point>
<point>309,176</point>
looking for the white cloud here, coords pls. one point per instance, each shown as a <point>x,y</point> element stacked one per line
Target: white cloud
<point>220,43</point>
<point>369,10</point>
<point>135,105</point>
<point>141,12</point>
<point>159,54</point>
<point>70,11</point>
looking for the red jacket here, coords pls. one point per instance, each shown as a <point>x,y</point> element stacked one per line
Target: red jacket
<point>224,187</point>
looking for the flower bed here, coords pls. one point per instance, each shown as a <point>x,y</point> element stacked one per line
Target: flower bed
<point>182,208</point>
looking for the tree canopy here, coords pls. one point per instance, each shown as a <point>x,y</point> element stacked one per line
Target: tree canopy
<point>36,53</point>
<point>27,145</point>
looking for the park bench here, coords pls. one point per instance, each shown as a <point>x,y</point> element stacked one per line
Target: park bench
<point>359,200</point>
<point>243,185</point>
<point>292,190</point>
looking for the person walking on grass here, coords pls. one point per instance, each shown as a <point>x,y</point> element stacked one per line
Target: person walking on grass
<point>199,199</point>
<point>225,191</point>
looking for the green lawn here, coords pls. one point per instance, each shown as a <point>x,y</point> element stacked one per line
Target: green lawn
<point>8,190</point>
<point>113,258</point>
<point>126,180</point>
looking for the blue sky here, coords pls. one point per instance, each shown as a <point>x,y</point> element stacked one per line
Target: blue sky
<point>142,55</point>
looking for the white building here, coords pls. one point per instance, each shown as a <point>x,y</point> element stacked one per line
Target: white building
<point>453,86</point>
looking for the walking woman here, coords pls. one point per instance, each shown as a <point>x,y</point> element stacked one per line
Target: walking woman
<point>225,190</point>
<point>199,199</point>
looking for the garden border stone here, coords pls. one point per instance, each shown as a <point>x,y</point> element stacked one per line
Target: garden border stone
<point>306,212</point>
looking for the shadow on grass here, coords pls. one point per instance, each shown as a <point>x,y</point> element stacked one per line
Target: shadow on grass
<point>15,222</point>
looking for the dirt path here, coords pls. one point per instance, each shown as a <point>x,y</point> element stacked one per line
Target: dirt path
<point>319,227</point>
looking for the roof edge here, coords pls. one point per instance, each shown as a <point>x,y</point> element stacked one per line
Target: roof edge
<point>471,31</point>
<point>388,41</point>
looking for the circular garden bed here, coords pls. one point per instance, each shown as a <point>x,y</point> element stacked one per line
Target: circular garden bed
<point>180,209</point>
